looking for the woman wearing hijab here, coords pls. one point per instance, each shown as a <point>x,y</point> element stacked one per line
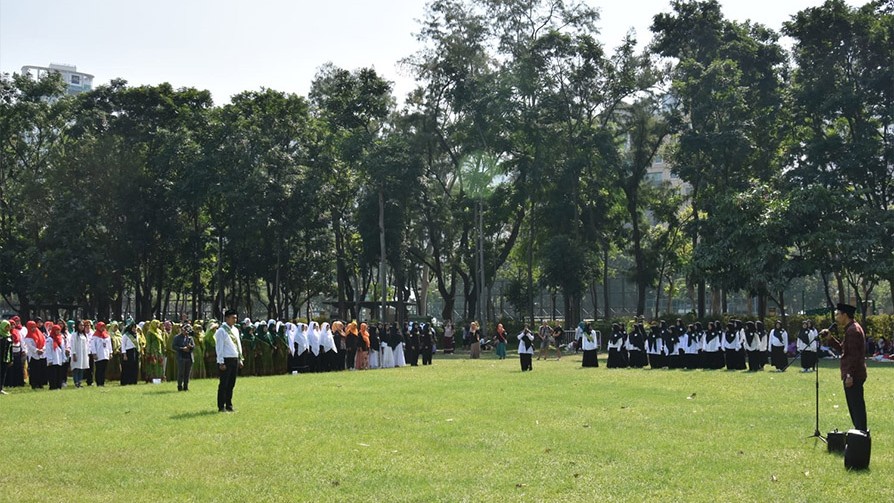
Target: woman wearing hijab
<point>375,344</point>
<point>5,351</point>
<point>752,346</point>
<point>329,351</point>
<point>413,344</point>
<point>302,348</point>
<point>778,345</point>
<point>655,347</point>
<point>636,347</point>
<point>617,357</point>
<point>101,350</point>
<point>15,375</point>
<point>475,340</point>
<point>55,352</point>
<point>807,346</point>
<point>155,350</point>
<point>387,349</point>
<point>590,340</point>
<point>362,362</point>
<point>130,355</point>
<point>427,343</point>
<point>398,347</point>
<point>501,340</point>
<point>449,339</point>
<point>313,341</point>
<point>526,349</point>
<point>732,346</point>
<point>352,340</point>
<point>340,359</point>
<point>35,344</point>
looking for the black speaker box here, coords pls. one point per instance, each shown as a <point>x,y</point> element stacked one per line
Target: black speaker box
<point>857,448</point>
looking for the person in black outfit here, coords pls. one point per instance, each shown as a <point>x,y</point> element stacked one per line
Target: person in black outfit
<point>413,344</point>
<point>426,343</point>
<point>183,346</point>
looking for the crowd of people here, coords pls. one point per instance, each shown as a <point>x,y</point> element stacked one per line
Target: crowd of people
<point>47,354</point>
<point>737,345</point>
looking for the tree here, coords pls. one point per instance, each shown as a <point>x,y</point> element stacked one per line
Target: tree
<point>843,161</point>
<point>727,87</point>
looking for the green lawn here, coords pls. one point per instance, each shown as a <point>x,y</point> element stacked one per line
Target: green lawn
<point>461,430</point>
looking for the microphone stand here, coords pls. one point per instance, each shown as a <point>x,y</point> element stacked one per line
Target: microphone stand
<point>816,431</point>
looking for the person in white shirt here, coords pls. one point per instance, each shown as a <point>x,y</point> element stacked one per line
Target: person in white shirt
<point>778,343</point>
<point>55,353</point>
<point>807,346</point>
<point>753,347</point>
<point>655,347</point>
<point>712,355</point>
<point>590,341</point>
<point>34,345</point>
<point>732,347</point>
<point>101,351</point>
<point>130,355</point>
<point>80,353</point>
<point>229,360</point>
<point>526,349</point>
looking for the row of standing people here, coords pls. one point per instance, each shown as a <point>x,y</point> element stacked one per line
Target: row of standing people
<point>339,346</point>
<point>735,346</point>
<point>47,352</point>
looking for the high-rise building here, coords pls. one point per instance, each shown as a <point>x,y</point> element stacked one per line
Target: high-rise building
<point>75,81</point>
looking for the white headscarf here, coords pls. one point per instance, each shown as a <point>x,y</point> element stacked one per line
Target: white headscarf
<point>313,338</point>
<point>326,339</point>
<point>290,336</point>
<point>301,337</point>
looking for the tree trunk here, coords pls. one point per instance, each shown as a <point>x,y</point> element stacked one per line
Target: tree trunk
<point>605,299</point>
<point>382,250</point>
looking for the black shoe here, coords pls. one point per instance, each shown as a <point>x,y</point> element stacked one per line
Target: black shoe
<point>179,388</point>
<point>230,409</point>
<point>222,410</point>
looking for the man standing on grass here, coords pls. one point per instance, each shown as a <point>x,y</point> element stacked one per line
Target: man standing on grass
<point>853,363</point>
<point>229,360</point>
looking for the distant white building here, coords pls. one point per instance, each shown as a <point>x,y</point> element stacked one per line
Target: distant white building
<point>76,82</point>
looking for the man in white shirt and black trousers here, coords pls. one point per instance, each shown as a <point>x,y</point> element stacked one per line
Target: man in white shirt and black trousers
<point>229,360</point>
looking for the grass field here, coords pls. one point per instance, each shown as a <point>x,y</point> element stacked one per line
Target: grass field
<point>460,430</point>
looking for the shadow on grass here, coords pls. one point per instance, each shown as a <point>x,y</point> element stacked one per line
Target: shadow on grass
<point>193,415</point>
<point>160,392</point>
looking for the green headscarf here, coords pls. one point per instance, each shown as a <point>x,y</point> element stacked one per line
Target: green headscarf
<point>4,328</point>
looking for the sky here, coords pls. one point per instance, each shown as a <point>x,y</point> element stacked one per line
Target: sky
<point>230,46</point>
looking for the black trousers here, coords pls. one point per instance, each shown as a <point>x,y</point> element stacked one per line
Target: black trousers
<point>412,355</point>
<point>525,359</point>
<point>755,361</point>
<point>778,358</point>
<point>856,405</point>
<point>184,366</point>
<point>100,368</point>
<point>426,355</point>
<point>15,377</point>
<point>2,374</point>
<point>54,376</point>
<point>88,373</point>
<point>130,367</point>
<point>808,359</point>
<point>350,355</point>
<point>227,383</point>
<point>37,372</point>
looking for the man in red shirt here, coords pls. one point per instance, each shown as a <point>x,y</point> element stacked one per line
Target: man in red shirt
<point>853,363</point>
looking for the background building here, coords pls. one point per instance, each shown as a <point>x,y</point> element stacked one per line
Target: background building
<point>75,81</point>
